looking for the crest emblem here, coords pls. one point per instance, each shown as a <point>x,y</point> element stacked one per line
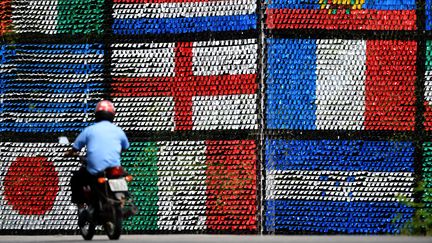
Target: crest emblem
<point>334,5</point>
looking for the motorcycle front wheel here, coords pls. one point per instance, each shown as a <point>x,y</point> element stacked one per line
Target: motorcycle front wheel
<point>113,227</point>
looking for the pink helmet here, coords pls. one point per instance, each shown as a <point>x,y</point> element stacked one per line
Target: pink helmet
<point>105,105</point>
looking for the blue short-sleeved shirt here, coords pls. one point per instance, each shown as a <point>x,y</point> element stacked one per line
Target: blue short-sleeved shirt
<point>104,142</point>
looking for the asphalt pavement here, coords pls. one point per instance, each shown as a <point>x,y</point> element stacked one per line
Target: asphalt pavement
<point>219,239</point>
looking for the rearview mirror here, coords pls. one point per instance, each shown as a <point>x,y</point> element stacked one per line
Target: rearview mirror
<point>63,140</point>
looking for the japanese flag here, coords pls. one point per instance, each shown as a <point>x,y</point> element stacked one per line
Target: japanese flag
<point>34,187</point>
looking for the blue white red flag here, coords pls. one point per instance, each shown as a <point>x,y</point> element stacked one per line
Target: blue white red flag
<point>341,84</point>
<point>183,16</point>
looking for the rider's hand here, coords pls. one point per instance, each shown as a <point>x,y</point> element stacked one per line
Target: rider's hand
<point>71,153</point>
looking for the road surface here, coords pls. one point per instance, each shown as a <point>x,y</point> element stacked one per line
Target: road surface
<point>181,238</point>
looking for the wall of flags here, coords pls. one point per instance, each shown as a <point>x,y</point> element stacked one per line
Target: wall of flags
<point>244,116</point>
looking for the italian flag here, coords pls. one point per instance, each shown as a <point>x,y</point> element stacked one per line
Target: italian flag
<point>193,185</point>
<point>52,16</point>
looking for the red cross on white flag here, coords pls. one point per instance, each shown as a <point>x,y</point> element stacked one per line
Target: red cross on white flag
<point>186,85</point>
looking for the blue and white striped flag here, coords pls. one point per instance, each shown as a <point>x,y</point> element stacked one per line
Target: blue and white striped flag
<point>50,87</point>
<point>337,186</point>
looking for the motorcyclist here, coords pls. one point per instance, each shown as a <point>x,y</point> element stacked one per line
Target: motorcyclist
<point>104,142</point>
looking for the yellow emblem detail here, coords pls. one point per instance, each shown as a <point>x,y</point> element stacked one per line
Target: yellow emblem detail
<point>334,5</point>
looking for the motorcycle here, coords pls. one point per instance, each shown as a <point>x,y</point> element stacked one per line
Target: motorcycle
<point>108,203</point>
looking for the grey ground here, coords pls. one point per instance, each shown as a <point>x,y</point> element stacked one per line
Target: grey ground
<point>219,239</point>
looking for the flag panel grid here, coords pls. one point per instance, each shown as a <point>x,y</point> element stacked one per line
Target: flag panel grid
<point>207,85</point>
<point>340,84</point>
<point>428,87</point>
<point>355,15</point>
<point>427,175</point>
<point>58,16</point>
<point>201,175</point>
<point>336,186</point>
<point>34,187</point>
<point>180,17</point>
<point>193,185</point>
<point>50,87</point>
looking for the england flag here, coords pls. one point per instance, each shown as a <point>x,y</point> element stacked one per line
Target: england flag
<point>208,85</point>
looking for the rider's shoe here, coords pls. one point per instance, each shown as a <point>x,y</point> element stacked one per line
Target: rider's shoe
<point>130,211</point>
<point>82,216</point>
<point>81,210</point>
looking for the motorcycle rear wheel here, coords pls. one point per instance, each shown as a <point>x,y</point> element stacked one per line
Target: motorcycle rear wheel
<point>113,228</point>
<point>87,230</point>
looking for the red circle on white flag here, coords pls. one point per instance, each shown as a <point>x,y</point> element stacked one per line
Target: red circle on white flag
<point>31,185</point>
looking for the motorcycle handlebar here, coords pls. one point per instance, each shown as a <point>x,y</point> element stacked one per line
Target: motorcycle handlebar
<point>72,153</point>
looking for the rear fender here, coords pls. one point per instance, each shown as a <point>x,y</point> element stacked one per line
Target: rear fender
<point>120,196</point>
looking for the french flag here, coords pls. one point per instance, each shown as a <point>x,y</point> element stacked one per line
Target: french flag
<point>207,85</point>
<point>331,14</point>
<point>337,186</point>
<point>182,16</point>
<point>331,84</point>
